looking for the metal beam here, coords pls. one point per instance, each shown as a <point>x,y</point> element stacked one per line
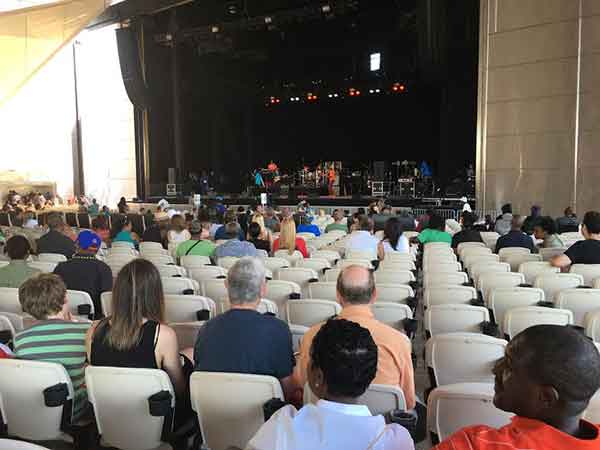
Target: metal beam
<point>133,8</point>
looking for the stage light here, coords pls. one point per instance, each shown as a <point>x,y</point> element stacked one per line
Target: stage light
<point>377,91</point>
<point>398,87</point>
<point>375,61</point>
<point>268,20</point>
<point>371,91</point>
<point>214,29</point>
<point>336,95</point>
<point>330,96</point>
<point>326,9</point>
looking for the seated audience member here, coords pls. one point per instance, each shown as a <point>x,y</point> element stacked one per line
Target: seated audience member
<point>54,337</point>
<point>353,223</point>
<point>393,240</point>
<point>547,377</point>
<point>121,232</point>
<point>363,239</point>
<point>305,225</point>
<point>265,234</point>
<point>100,227</point>
<point>545,230</point>
<point>122,206</point>
<point>135,334</point>
<point>178,232</point>
<point>423,220</point>
<point>355,293</point>
<point>287,239</point>
<point>343,365</point>
<point>531,220</point>
<point>199,244</point>
<point>583,252</point>
<point>157,232</point>
<point>29,220</point>
<point>233,246</point>
<point>54,241</point>
<point>242,340</point>
<point>94,208</point>
<point>254,233</point>
<point>435,231</point>
<point>516,237</point>
<point>17,270</point>
<point>84,272</point>
<point>504,221</point>
<point>406,219</point>
<point>221,232</point>
<point>338,217</point>
<point>271,220</point>
<point>468,233</point>
<point>568,222</point>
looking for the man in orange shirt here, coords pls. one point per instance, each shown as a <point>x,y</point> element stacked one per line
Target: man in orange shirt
<point>356,292</point>
<point>547,377</point>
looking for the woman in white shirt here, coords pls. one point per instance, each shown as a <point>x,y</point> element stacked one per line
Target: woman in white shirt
<point>178,232</point>
<point>393,240</point>
<point>343,365</point>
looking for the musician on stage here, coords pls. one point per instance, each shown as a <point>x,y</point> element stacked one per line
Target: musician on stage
<point>272,167</point>
<point>331,181</point>
<point>258,179</point>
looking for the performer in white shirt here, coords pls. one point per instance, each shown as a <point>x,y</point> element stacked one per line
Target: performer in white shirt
<point>343,365</point>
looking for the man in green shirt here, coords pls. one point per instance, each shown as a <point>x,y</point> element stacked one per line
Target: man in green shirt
<point>199,244</point>
<point>435,231</point>
<point>337,225</point>
<point>17,270</point>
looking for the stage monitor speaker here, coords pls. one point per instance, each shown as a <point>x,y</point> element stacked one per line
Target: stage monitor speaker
<point>131,67</point>
<point>379,170</point>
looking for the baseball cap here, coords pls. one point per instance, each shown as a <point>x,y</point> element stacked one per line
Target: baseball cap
<point>195,227</point>
<point>87,239</point>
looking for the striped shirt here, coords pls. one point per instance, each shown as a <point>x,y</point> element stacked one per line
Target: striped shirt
<point>60,342</point>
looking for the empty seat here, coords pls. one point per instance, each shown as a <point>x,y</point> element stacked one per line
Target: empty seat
<point>485,267</point>
<point>215,289</point>
<point>52,257</point>
<point>502,299</point>
<point>463,357</point>
<point>44,266</point>
<point>490,280</point>
<point>9,444</point>
<point>510,251</point>
<point>475,260</point>
<point>444,266</point>
<point>22,386</point>
<point>171,271</point>
<point>230,406</point>
<point>531,270</point>
<point>186,332</point>
<point>516,260</point>
<point>310,312</point>
<point>448,294</point>
<point>444,278</point>
<point>80,304</point>
<point>518,319</point>
<point>292,259</point>
<point>468,245</point>
<point>298,332</point>
<point>549,253</point>
<point>472,252</point>
<point>434,245</point>
<point>280,291</point>
<point>589,272</point>
<point>332,274</point>
<point>329,255</point>
<point>9,300</point>
<point>361,254</point>
<point>394,277</point>
<point>120,400</point>
<point>396,265</point>
<point>274,264</point>
<point>392,314</point>
<point>106,302</point>
<point>227,261</point>
<point>381,399</point>
<point>299,275</point>
<point>189,261</point>
<point>324,290</point>
<point>188,308</point>
<point>393,257</point>
<point>343,263</point>
<point>159,259</point>
<point>205,273</point>
<point>592,325</point>
<point>579,302</point>
<point>553,283</point>
<point>456,406</point>
<point>155,247</point>
<point>18,321</point>
<point>176,286</point>
<point>393,293</point>
<point>454,318</point>
<point>319,265</point>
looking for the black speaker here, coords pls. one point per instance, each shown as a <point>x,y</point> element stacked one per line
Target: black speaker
<point>131,67</point>
<point>379,170</point>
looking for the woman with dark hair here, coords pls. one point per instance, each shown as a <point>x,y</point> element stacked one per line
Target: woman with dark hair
<point>393,240</point>
<point>343,365</point>
<point>545,230</point>
<point>100,227</point>
<point>121,232</point>
<point>134,334</point>
<point>123,206</point>
<point>254,232</point>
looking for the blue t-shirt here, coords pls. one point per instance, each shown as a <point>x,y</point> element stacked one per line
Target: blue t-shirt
<point>515,239</point>
<point>221,234</point>
<point>245,341</point>
<point>309,229</point>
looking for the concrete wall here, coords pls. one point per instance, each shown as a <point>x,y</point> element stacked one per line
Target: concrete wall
<point>538,104</point>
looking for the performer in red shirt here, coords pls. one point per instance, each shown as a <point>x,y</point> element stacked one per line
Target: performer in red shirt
<point>547,377</point>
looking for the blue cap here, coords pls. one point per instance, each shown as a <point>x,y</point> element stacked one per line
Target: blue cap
<point>87,239</point>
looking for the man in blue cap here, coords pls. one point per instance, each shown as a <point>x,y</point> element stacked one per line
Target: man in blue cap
<point>84,272</point>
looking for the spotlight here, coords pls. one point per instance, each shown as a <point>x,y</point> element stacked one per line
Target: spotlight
<point>377,91</point>
<point>214,29</point>
<point>330,96</point>
<point>268,20</point>
<point>336,95</point>
<point>398,87</point>
<point>375,61</point>
<point>326,8</point>
<point>371,91</point>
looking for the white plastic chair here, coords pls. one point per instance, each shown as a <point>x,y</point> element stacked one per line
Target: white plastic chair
<point>592,412</point>
<point>448,294</point>
<point>171,271</point>
<point>120,400</point>
<point>274,264</point>
<point>549,253</point>
<point>470,261</point>
<point>193,261</point>
<point>152,247</point>
<point>184,308</point>
<point>330,255</point>
<point>391,314</point>
<point>279,291</point>
<point>444,278</point>
<point>8,444</point>
<point>230,406</point>
<point>516,260</point>
<point>468,245</point>
<point>186,332</point>
<point>592,325</point>
<point>310,312</point>
<point>19,322</point>
<point>160,259</point>
<point>511,251</point>
<point>579,302</point>
<point>518,319</point>
<point>531,270</point>
<point>444,266</point>
<point>75,299</point>
<point>394,277</point>
<point>52,257</point>
<point>473,251</point>
<point>361,254</point>
<point>396,265</point>
<point>226,262</point>
<point>9,300</point>
<point>454,318</point>
<point>589,272</point>
<point>299,275</point>
<point>456,406</point>
<point>292,259</point>
<point>394,257</point>
<point>177,286</point>
<point>379,398</point>
<point>503,299</point>
<point>393,293</point>
<point>463,357</point>
<point>7,325</point>
<point>267,307</point>
<point>486,267</point>
<point>553,283</point>
<point>215,290</point>
<point>332,274</point>
<point>490,280</point>
<point>298,332</point>
<point>319,265</point>
<point>22,386</point>
<point>343,263</point>
<point>324,290</point>
<point>203,273</point>
<point>44,266</point>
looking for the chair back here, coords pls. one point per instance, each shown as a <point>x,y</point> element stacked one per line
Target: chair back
<point>394,277</point>
<point>310,312</point>
<point>553,283</point>
<point>502,299</point>
<point>394,293</point>
<point>324,290</point>
<point>434,278</point>
<point>185,308</point>
<point>579,302</point>
<point>176,286</point>
<point>589,272</point>
<point>9,300</point>
<point>455,318</point>
<point>531,269</point>
<point>519,319</point>
<point>52,257</point>
<point>392,314</point>
<point>43,266</point>
<point>448,294</point>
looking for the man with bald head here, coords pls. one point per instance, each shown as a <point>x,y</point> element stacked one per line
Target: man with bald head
<point>355,293</point>
<point>515,237</point>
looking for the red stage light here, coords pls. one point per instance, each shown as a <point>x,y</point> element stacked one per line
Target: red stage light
<point>395,88</point>
<point>357,92</point>
<point>402,87</point>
